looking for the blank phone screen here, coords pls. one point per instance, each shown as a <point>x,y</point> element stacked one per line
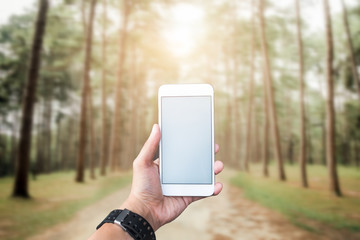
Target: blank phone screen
<point>186,145</point>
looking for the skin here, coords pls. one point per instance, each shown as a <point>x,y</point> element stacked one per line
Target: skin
<point>146,198</point>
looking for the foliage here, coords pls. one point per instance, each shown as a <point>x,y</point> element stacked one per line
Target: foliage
<point>14,55</point>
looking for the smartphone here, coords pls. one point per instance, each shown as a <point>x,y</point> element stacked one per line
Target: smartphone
<point>186,120</point>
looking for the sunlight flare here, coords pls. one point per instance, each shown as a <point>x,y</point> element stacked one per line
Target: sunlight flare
<point>183,29</point>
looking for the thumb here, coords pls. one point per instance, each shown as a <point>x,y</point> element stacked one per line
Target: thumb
<point>150,147</point>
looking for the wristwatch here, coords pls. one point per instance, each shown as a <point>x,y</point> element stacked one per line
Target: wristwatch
<point>135,225</point>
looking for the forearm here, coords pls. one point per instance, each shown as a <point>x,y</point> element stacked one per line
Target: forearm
<point>110,231</point>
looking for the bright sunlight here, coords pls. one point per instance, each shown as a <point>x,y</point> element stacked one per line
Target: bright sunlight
<point>183,28</point>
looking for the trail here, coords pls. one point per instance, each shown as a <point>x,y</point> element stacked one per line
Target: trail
<point>227,216</point>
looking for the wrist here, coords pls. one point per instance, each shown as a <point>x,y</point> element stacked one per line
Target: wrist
<point>110,231</point>
<point>142,210</point>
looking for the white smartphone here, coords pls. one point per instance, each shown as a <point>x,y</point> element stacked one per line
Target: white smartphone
<point>186,120</point>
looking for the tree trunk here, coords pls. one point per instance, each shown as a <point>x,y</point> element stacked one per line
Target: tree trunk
<point>47,124</point>
<point>271,102</point>
<point>134,108</point>
<point>290,152</point>
<point>58,152</point>
<point>302,158</point>
<point>330,112</point>
<point>357,154</point>
<point>323,143</point>
<point>23,160</point>
<point>257,142</point>
<point>92,152</point>
<point>309,147</point>
<point>68,144</point>
<point>251,94</point>
<point>229,121</point>
<point>104,131</point>
<point>115,144</point>
<point>236,118</point>
<point>265,149</point>
<point>345,151</point>
<point>83,114</point>
<point>228,134</point>
<point>13,152</point>
<point>40,159</point>
<point>351,48</point>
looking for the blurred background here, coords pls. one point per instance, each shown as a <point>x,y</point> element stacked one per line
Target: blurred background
<point>78,98</point>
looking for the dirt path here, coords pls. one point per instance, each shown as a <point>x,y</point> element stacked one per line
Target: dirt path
<point>83,224</point>
<point>231,216</point>
<point>228,216</point>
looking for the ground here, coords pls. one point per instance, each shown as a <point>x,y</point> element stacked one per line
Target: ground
<point>227,216</point>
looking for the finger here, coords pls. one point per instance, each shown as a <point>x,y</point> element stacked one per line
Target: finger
<point>217,148</point>
<point>156,161</point>
<point>150,147</point>
<point>218,167</point>
<point>217,188</point>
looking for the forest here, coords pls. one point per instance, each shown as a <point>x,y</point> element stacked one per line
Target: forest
<point>79,82</point>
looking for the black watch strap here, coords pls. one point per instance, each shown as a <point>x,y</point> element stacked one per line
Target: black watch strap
<point>134,224</point>
<point>110,218</point>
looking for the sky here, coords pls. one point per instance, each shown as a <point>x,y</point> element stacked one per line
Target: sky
<point>12,7</point>
<point>18,7</point>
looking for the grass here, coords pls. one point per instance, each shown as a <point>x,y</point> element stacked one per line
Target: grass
<point>55,198</point>
<point>310,207</point>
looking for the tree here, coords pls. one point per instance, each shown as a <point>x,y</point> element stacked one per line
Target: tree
<point>351,48</point>
<point>84,98</point>
<point>270,94</point>
<point>236,116</point>
<point>23,160</point>
<point>330,111</point>
<point>115,143</point>
<point>265,150</point>
<point>251,90</point>
<point>104,133</point>
<point>302,159</point>
<point>91,146</point>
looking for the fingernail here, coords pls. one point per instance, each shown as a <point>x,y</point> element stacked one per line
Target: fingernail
<point>152,130</point>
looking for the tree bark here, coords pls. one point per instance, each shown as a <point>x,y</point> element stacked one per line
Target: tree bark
<point>83,114</point>
<point>40,156</point>
<point>92,152</point>
<point>23,160</point>
<point>251,94</point>
<point>330,111</point>
<point>236,118</point>
<point>351,48</point>
<point>270,92</point>
<point>47,124</point>
<point>135,103</point>
<point>104,131</point>
<point>58,152</point>
<point>115,144</point>
<point>323,129</point>
<point>357,154</point>
<point>14,143</point>
<point>265,149</point>
<point>302,157</point>
<point>257,142</point>
<point>290,152</point>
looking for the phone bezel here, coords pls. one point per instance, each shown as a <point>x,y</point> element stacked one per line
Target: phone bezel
<point>184,90</point>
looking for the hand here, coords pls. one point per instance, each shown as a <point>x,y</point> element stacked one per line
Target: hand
<point>146,197</point>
